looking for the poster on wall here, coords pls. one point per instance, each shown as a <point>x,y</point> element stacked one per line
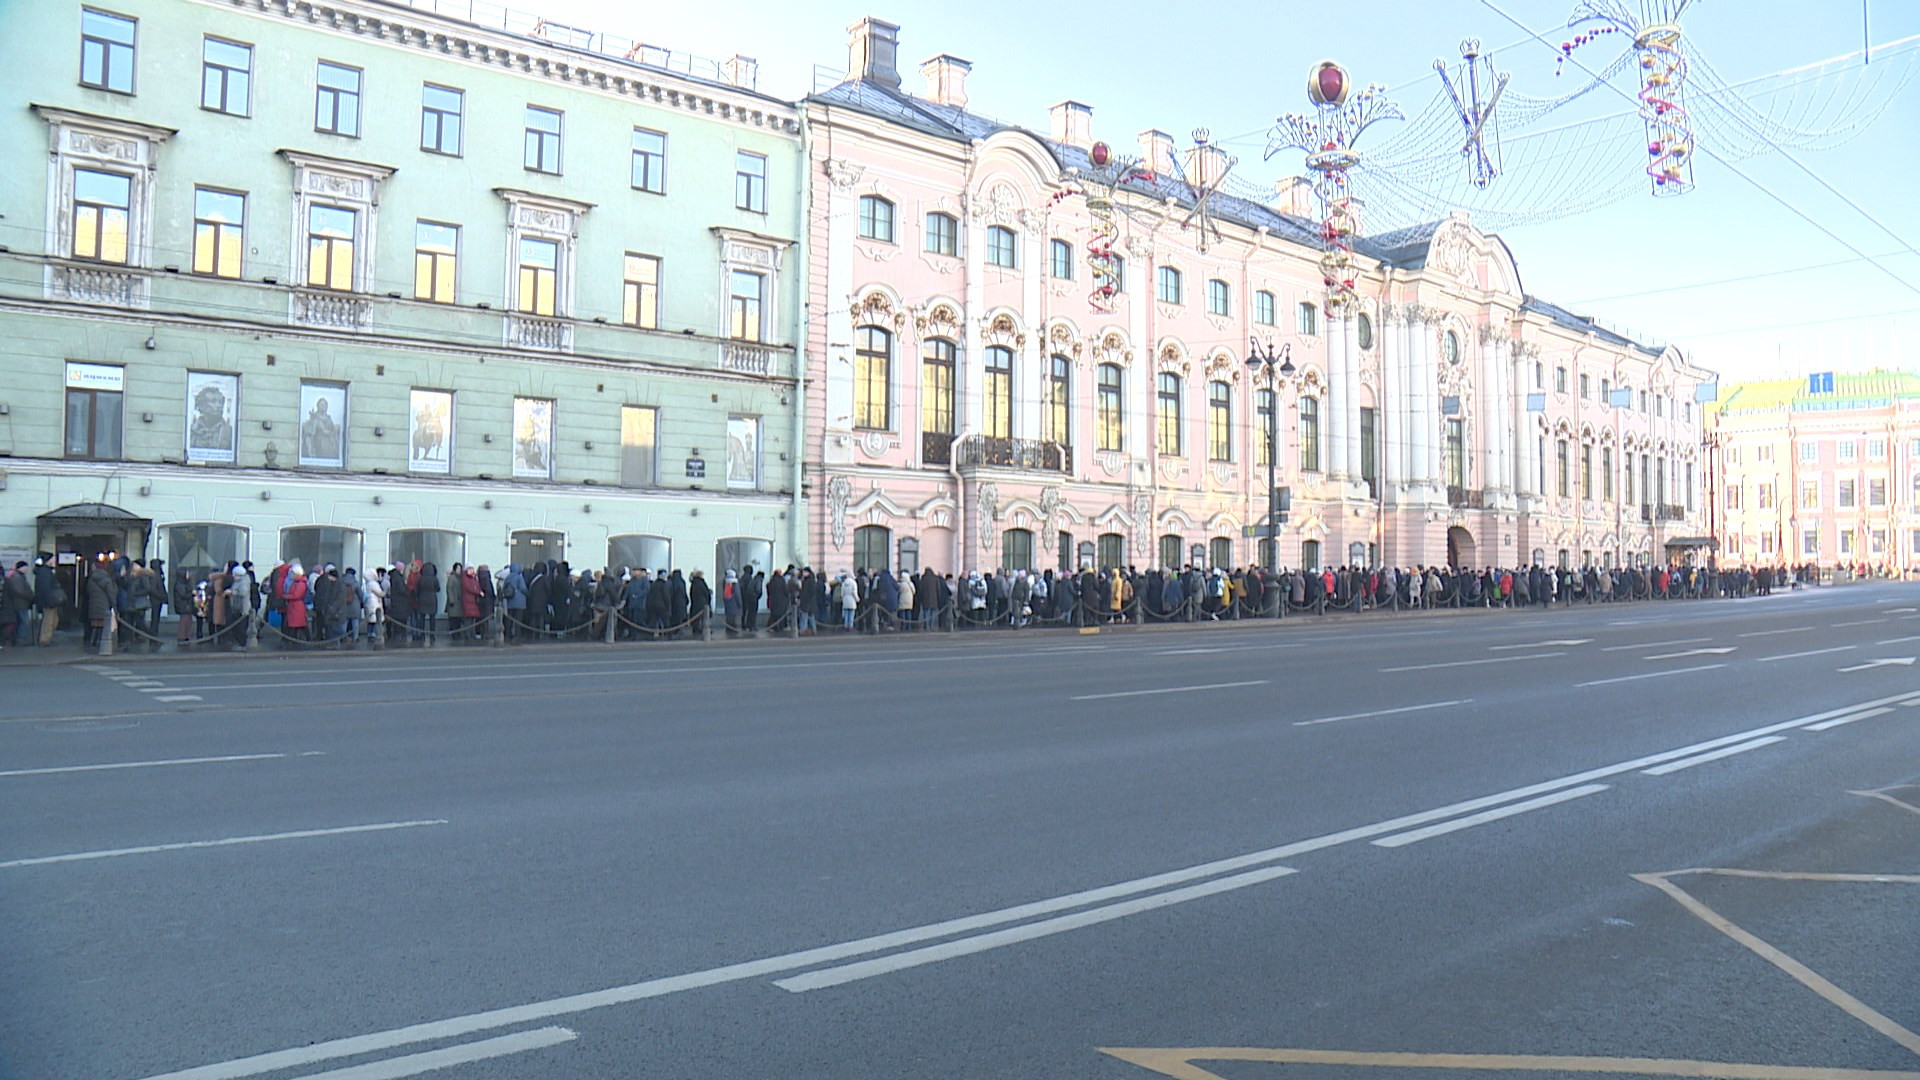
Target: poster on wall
<point>430,431</point>
<point>213,406</point>
<point>323,425</point>
<point>743,452</point>
<point>532,438</point>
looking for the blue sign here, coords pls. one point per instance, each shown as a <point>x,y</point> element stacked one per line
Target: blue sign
<point>1620,399</point>
<point>1536,403</point>
<point>1820,382</point>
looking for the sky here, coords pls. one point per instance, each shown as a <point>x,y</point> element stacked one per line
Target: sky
<point>1659,268</point>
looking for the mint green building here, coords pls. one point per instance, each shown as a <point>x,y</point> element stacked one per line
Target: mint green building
<point>355,281</point>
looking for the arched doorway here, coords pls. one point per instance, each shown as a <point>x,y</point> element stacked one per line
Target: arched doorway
<point>1460,553</point>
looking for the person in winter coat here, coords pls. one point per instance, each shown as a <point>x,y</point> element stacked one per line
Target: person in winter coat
<point>399,602</point>
<point>19,602</point>
<point>679,600</point>
<point>488,600</point>
<point>374,610</point>
<point>49,596</point>
<point>100,594</point>
<point>807,601</point>
<point>239,604</point>
<point>904,612</point>
<point>560,596</point>
<point>699,601</point>
<point>730,605</point>
<point>426,599</point>
<point>296,589</point>
<point>469,600</point>
<point>511,588</point>
<point>886,599</point>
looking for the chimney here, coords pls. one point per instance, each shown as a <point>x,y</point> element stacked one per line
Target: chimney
<point>1156,152</point>
<point>1294,196</point>
<point>947,80</point>
<point>872,54</point>
<point>741,71</point>
<point>1206,162</point>
<point>1073,124</point>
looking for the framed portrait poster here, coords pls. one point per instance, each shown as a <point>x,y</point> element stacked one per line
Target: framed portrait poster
<point>743,453</point>
<point>430,432</point>
<point>323,425</point>
<point>533,438</point>
<point>213,410</point>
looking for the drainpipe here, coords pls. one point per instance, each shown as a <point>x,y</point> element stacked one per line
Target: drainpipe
<point>802,323</point>
<point>959,504</point>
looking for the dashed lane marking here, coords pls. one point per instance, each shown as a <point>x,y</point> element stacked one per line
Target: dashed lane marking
<point>1445,827</point>
<point>1809,652</point>
<point>152,764</point>
<point>1383,712</point>
<point>1655,644</point>
<point>179,697</point>
<point>1648,675</point>
<point>1788,630</point>
<point>448,1056</point>
<point>1474,663</point>
<point>1169,690</point>
<point>1177,1063</point>
<point>1712,755</point>
<point>149,849</point>
<point>1839,721</point>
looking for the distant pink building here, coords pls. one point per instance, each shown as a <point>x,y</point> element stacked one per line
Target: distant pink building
<point>969,407</point>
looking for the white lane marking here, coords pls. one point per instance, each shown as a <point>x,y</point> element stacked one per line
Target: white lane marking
<point>456,1026</point>
<point>1649,675</point>
<point>1788,630</point>
<point>1809,652</point>
<point>1901,610</point>
<point>1445,827</point>
<point>1825,725</point>
<point>1655,644</point>
<point>1472,663</point>
<point>867,969</point>
<point>1541,644</point>
<point>137,684</point>
<point>151,764</point>
<point>1883,661</point>
<point>1382,712</point>
<point>1861,622</point>
<point>302,834</point>
<point>1712,755</point>
<point>156,688</point>
<point>1898,640</point>
<point>180,697</point>
<point>446,1057</point>
<point>1187,652</point>
<point>1168,690</point>
<point>1719,650</point>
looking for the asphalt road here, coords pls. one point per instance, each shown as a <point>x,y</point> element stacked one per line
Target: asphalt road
<point>1679,833</point>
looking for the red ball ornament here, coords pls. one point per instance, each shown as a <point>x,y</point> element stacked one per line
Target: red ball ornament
<point>1101,154</point>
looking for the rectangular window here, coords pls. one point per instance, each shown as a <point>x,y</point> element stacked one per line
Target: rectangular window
<point>750,181</point>
<point>943,234</point>
<point>1733,496</point>
<point>1876,449</point>
<point>106,51</point>
<point>1219,422</point>
<point>1763,496</point>
<point>1848,450</point>
<point>1844,495</point>
<point>1263,312</point>
<point>1309,410</point>
<point>743,309</point>
<point>1559,380</point>
<point>1629,479</point>
<point>641,307</point>
<point>1061,260</point>
<point>936,387</point>
<point>872,378</point>
<point>1003,249</point>
<point>997,406</point>
<point>1877,492</point>
<point>1606,392</point>
<point>330,232</point>
<point>94,411</point>
<point>1560,466</point>
<point>219,231</point>
<point>542,152</point>
<point>1846,541</point>
<point>1056,404</point>
<point>876,219</point>
<point>1309,317</point>
<point>1809,452</point>
<point>539,276</point>
<point>101,202</point>
<point>649,161</point>
<point>1586,386</point>
<point>226,76</point>
<point>1109,407</point>
<point>436,259</point>
<point>1586,472</point>
<point>1763,453</point>
<point>441,109</point>
<point>1119,266</point>
<point>1166,415</point>
<point>1168,288</point>
<point>1219,297</point>
<point>639,445</point>
<point>1810,495</point>
<point>336,100</point>
<point>1606,473</point>
<point>1810,542</point>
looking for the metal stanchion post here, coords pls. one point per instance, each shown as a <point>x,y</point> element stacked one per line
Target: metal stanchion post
<point>608,637</point>
<point>107,634</point>
<point>380,630</point>
<point>497,626</point>
<point>252,639</point>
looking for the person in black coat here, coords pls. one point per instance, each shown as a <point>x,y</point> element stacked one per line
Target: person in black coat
<point>778,595</point>
<point>399,598</point>
<point>660,601</point>
<point>560,595</point>
<point>681,595</point>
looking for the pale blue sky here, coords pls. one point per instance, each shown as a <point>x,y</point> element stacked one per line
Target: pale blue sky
<point>1232,67</point>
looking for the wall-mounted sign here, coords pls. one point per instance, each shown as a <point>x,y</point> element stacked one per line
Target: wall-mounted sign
<point>696,468</point>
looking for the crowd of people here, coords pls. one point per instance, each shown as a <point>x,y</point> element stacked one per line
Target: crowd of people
<point>415,602</point>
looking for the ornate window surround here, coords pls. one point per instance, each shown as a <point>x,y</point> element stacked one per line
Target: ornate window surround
<point>77,140</point>
<point>531,215</point>
<point>319,180</point>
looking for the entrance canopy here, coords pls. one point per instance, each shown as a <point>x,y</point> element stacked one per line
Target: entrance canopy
<point>1707,542</point>
<point>94,514</point>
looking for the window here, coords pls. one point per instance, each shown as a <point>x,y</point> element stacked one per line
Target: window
<point>743,310</point>
<point>640,305</point>
<point>936,387</point>
<point>106,51</point>
<point>876,218</point>
<point>1263,309</point>
<point>542,151</point>
<point>1876,449</point>
<point>1309,410</point>
<point>1810,542</point>
<point>441,108</point>
<point>539,279</point>
<point>1686,411</point>
<point>943,234</point>
<point>318,545</point>
<point>436,259</point>
<point>1560,464</point>
<point>1001,250</point>
<point>1606,473</point>
<point>93,411</point>
<point>1119,266</point>
<point>1308,318</point>
<point>1733,496</point>
<point>872,376</point>
<point>330,233</point>
<point>1172,551</point>
<point>1263,418</point>
<point>1809,452</point>
<point>1110,408</point>
<point>1606,393</point>
<point>1450,348</point>
<point>1016,550</point>
<point>1643,401</point>
<point>1363,331</point>
<point>1878,539</point>
<point>750,181</point>
<point>1764,496</point>
<point>1689,488</point>
<point>336,101</point>
<point>1369,469</point>
<point>101,215</point>
<point>1764,453</point>
<point>1559,380</point>
<point>1810,495</point>
<point>219,231</point>
<point>1310,554</point>
<point>999,392</point>
<point>1056,415</point>
<point>639,445</point>
<point>1219,297</point>
<point>1586,387</point>
<point>1060,260</point>
<point>1848,451</point>
<point>1844,495</point>
<point>1220,551</point>
<point>1168,286</point>
<point>1456,453</point>
<point>1166,414</point>
<point>226,76</point>
<point>201,550</point>
<point>1877,492</point>
<point>649,161</point>
<point>1219,421</point>
<point>1660,405</point>
<point>1110,549</point>
<point>1586,472</point>
<point>872,548</point>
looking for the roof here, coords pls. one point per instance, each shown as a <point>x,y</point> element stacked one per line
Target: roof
<point>1585,324</point>
<point>1851,390</point>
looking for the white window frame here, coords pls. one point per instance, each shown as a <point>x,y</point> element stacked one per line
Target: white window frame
<point>541,217</point>
<point>78,140</point>
<point>319,180</point>
<point>759,254</point>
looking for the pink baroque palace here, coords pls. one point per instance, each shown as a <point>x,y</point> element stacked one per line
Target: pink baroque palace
<point>971,407</point>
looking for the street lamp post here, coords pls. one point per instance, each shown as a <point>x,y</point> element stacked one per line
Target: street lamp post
<point>1279,366</point>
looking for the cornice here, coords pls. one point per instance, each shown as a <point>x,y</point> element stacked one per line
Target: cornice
<point>54,114</point>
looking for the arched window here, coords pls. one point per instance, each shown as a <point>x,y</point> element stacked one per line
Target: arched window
<point>1357,554</point>
<point>441,547</point>
<point>872,378</point>
<point>1263,438</point>
<point>1167,414</point>
<point>1219,421</point>
<point>872,546</point>
<point>936,401</point>
<point>998,422</point>
<point>1263,312</point>
<point>876,218</point>
<point>1168,287</point>
<point>1220,552</point>
<point>1056,416</point>
<point>1016,550</point>
<point>1111,417</point>
<point>1171,551</point>
<point>202,549</point>
<point>637,552</point>
<point>943,234</point>
<point>1219,297</point>
<point>1110,550</point>
<point>318,545</point>
<point>735,552</point>
<point>1309,434</point>
<point>528,546</point>
<point>1002,247</point>
<point>1060,260</point>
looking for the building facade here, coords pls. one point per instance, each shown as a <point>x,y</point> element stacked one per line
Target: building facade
<point>354,282</point>
<point>972,405</point>
<point>1823,469</point>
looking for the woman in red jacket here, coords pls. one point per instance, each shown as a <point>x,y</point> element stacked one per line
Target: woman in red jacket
<point>296,594</point>
<point>469,599</point>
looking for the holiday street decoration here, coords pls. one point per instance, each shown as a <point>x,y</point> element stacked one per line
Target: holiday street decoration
<point>1483,87</point>
<point>1663,81</point>
<point>1100,186</point>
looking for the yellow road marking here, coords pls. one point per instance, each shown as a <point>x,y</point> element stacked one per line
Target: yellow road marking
<point>1178,1063</point>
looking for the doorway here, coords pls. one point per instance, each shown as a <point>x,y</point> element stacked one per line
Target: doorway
<point>1460,553</point>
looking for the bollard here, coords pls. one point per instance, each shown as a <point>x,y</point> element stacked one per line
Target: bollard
<point>107,633</point>
<point>252,639</point>
<point>706,625</point>
<point>497,627</point>
<point>427,626</point>
<point>793,624</point>
<point>608,637</point>
<point>380,631</point>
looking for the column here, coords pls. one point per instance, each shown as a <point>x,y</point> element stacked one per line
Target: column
<point>1522,472</point>
<point>1343,330</point>
<point>1334,416</point>
<point>1494,417</point>
<point>841,176</point>
<point>969,385</point>
<point>1032,362</point>
<point>1385,416</point>
<point>1420,330</point>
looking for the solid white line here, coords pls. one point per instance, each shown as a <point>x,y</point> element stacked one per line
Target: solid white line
<point>1715,755</point>
<point>1898,640</point>
<point>1382,712</point>
<point>1445,827</point>
<point>1868,715</point>
<point>1861,622</point>
<point>1186,652</point>
<point>867,969</point>
<point>1650,675</point>
<point>1655,644</point>
<point>141,764</point>
<point>154,688</point>
<point>83,856</point>
<point>1472,663</point>
<point>1809,652</point>
<point>141,684</point>
<point>179,697</point>
<point>1168,690</point>
<point>415,1064</point>
<point>1788,630</point>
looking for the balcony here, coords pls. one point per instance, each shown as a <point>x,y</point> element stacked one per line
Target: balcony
<point>1466,498</point>
<point>92,284</point>
<point>936,448</point>
<point>332,310</point>
<point>532,332</point>
<point>746,358</point>
<point>1031,455</point>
